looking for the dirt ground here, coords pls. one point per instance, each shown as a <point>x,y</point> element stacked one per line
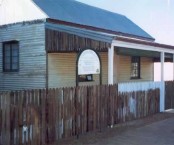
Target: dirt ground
<point>110,136</point>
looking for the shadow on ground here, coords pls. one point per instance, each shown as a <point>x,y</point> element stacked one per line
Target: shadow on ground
<point>117,133</point>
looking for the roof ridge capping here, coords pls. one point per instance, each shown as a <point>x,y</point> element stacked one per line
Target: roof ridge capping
<point>76,12</point>
<point>29,22</point>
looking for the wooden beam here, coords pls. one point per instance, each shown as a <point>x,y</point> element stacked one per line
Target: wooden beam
<point>111,65</point>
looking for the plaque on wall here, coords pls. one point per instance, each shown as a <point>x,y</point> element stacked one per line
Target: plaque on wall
<point>88,63</point>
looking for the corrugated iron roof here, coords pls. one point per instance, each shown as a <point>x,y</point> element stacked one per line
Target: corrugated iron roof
<point>99,36</point>
<point>79,13</point>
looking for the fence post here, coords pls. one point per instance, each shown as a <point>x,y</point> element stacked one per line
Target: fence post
<point>76,111</point>
<point>47,117</point>
<point>162,88</point>
<point>162,96</point>
<point>5,119</point>
<point>8,118</point>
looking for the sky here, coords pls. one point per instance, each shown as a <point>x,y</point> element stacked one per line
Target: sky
<point>156,17</point>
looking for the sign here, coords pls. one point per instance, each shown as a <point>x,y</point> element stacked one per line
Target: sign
<point>88,63</point>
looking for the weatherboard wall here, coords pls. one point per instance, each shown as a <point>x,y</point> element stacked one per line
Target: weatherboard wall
<point>124,69</point>
<point>62,70</point>
<point>32,56</point>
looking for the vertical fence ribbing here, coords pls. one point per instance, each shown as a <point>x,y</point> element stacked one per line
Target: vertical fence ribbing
<point>44,117</point>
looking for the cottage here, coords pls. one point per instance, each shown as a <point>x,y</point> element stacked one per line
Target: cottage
<point>41,42</point>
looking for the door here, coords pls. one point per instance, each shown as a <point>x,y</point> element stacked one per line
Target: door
<point>169,95</point>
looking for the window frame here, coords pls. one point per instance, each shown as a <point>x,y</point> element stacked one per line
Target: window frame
<point>86,78</point>
<point>11,61</point>
<point>136,59</point>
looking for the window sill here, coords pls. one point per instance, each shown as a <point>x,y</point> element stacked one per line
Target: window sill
<point>135,78</point>
<point>10,71</point>
<point>87,81</point>
<point>15,71</point>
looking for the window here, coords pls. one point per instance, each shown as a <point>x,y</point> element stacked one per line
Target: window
<point>135,67</point>
<point>85,78</point>
<point>11,56</point>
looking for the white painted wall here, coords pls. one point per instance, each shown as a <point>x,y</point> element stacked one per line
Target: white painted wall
<point>12,11</point>
<point>168,71</point>
<point>138,86</point>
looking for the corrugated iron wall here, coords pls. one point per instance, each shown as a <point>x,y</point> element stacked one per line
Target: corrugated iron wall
<point>32,56</point>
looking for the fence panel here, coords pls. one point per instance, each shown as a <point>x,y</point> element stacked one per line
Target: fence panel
<point>169,97</point>
<point>5,120</point>
<point>134,105</point>
<point>46,116</point>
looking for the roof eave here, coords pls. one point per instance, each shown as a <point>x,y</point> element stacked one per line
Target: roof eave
<point>148,43</point>
<point>98,29</point>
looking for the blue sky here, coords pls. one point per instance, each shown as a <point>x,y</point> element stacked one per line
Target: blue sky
<point>154,16</point>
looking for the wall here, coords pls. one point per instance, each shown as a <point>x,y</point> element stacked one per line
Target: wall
<point>62,70</point>
<point>13,11</point>
<point>32,56</point>
<point>124,69</point>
